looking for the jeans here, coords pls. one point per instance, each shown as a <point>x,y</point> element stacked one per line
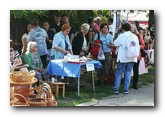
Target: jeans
<point>126,68</point>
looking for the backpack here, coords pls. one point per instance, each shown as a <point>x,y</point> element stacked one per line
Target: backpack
<point>131,49</point>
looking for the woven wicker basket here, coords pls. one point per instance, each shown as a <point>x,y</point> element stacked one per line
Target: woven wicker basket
<point>21,76</point>
<point>22,88</point>
<point>37,102</point>
<point>20,100</point>
<point>51,101</point>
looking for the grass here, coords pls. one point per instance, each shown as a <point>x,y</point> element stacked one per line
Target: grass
<point>86,93</point>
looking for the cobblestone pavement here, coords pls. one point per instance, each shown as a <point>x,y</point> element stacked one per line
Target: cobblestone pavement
<point>144,96</point>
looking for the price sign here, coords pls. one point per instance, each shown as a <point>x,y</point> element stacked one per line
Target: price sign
<point>90,67</point>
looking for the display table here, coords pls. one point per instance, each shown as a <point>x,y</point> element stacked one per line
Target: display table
<point>68,69</point>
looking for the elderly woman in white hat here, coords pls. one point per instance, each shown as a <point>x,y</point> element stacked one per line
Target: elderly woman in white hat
<point>80,44</point>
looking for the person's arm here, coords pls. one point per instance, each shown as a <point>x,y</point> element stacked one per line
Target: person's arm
<point>41,65</point>
<point>17,56</point>
<point>110,45</point>
<point>141,41</point>
<point>53,30</point>
<point>20,61</point>
<point>111,30</point>
<point>72,37</point>
<point>96,38</point>
<point>13,67</point>
<point>117,42</point>
<point>69,45</point>
<point>24,42</point>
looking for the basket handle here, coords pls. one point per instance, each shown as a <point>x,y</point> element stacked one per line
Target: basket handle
<point>45,96</point>
<point>49,88</point>
<point>23,98</point>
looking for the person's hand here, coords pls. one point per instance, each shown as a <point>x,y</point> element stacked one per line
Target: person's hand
<point>50,41</point>
<point>66,52</point>
<point>111,46</point>
<point>53,30</point>
<point>99,44</point>
<point>16,62</point>
<point>86,51</point>
<point>26,65</point>
<point>39,69</point>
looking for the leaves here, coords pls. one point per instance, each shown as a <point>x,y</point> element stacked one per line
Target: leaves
<point>27,14</point>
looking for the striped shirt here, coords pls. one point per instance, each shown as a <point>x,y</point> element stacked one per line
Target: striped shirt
<point>16,56</point>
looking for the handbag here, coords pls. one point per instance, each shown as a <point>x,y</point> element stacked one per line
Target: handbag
<point>101,55</point>
<point>143,53</point>
<point>95,48</point>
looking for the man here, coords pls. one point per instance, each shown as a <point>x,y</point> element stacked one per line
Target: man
<point>48,42</point>
<point>65,20</point>
<point>111,27</point>
<point>56,26</point>
<point>123,62</point>
<point>40,36</point>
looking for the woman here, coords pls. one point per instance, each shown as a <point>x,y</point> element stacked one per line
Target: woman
<point>15,63</point>
<point>61,42</point>
<point>96,27</point>
<point>107,41</point>
<point>90,33</point>
<point>80,44</point>
<point>136,65</point>
<point>32,58</point>
<point>24,39</point>
<point>16,53</point>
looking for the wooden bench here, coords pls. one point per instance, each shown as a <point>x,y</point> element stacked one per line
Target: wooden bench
<point>57,86</point>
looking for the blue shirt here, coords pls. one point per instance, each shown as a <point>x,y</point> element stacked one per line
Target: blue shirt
<point>59,41</point>
<point>39,36</point>
<point>105,39</point>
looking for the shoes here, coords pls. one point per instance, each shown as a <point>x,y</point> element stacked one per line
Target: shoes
<point>135,87</point>
<point>125,92</point>
<point>116,92</point>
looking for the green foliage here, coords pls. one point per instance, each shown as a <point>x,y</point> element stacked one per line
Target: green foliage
<point>28,15</point>
<point>77,17</point>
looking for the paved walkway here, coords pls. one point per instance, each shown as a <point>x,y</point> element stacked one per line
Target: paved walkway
<point>144,96</point>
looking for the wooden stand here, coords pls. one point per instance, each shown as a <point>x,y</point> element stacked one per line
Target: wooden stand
<point>57,84</point>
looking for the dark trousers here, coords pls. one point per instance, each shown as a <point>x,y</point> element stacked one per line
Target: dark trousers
<point>44,61</point>
<point>136,73</point>
<point>105,70</point>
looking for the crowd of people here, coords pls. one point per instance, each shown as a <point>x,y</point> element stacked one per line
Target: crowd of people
<point>49,41</point>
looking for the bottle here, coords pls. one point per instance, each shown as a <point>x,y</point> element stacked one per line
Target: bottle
<point>53,79</point>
